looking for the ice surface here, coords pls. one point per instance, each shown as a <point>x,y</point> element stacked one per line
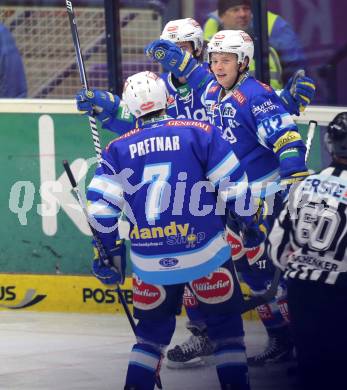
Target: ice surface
<point>75,351</point>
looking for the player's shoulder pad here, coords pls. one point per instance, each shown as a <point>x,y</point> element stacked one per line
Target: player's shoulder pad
<point>206,127</point>
<point>126,135</point>
<point>265,87</point>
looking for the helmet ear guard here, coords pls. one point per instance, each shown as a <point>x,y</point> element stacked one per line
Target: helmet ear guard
<point>336,136</point>
<point>144,93</point>
<point>232,41</point>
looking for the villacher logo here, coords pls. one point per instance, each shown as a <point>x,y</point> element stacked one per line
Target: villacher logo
<point>31,298</point>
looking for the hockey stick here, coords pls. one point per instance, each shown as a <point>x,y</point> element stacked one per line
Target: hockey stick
<point>97,240</point>
<point>267,296</point>
<point>310,134</point>
<point>103,255</point>
<point>270,293</point>
<point>82,72</point>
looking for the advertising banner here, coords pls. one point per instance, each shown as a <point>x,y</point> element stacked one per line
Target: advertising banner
<point>43,229</point>
<point>71,294</point>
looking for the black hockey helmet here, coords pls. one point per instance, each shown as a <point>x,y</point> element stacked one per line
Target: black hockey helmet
<point>336,136</point>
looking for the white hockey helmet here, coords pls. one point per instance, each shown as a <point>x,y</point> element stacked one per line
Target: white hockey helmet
<point>184,30</point>
<point>143,93</point>
<point>232,41</point>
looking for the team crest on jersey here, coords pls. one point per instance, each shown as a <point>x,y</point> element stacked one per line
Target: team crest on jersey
<point>217,287</point>
<point>189,299</point>
<point>229,111</point>
<point>239,97</point>
<point>147,296</point>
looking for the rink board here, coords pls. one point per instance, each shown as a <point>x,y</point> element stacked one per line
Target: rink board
<point>61,293</point>
<point>43,230</point>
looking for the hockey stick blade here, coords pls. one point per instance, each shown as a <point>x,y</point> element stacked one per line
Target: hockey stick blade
<point>259,300</point>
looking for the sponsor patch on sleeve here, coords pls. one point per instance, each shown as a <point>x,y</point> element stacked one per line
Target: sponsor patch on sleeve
<point>285,139</point>
<point>239,97</point>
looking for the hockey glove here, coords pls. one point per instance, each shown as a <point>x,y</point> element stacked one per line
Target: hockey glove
<point>101,104</point>
<point>253,233</point>
<point>287,182</point>
<point>253,236</point>
<point>111,270</point>
<point>294,178</point>
<point>298,93</point>
<point>173,59</point>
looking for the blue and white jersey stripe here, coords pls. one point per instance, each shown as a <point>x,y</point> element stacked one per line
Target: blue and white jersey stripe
<point>144,359</point>
<point>189,265</point>
<point>235,190</point>
<point>230,357</point>
<point>284,123</point>
<point>102,209</point>
<point>107,187</point>
<point>225,168</point>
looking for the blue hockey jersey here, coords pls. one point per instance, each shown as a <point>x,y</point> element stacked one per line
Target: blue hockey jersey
<point>183,103</point>
<point>164,177</point>
<point>253,119</point>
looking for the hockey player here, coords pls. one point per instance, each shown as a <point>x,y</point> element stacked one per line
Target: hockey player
<point>266,141</point>
<point>164,176</point>
<point>184,102</point>
<point>309,241</point>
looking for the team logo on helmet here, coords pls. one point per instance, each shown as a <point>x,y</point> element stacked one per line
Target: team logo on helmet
<point>159,54</point>
<point>147,106</point>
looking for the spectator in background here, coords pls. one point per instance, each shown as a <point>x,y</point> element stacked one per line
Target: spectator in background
<point>12,77</point>
<point>285,51</point>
